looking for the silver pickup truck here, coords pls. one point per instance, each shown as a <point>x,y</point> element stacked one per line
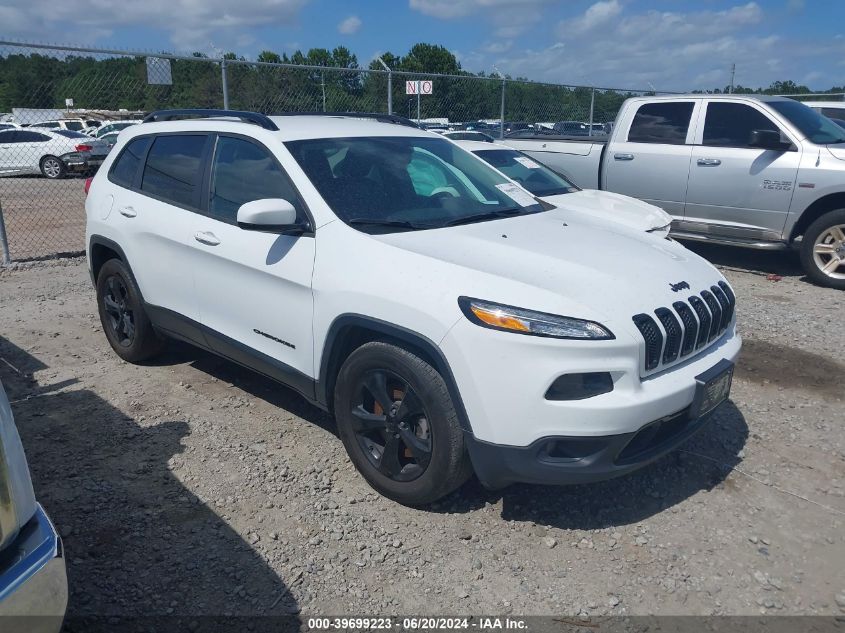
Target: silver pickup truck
<point>754,171</point>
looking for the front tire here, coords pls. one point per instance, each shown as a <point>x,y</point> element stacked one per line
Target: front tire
<point>399,426</point>
<point>823,250</point>
<point>53,168</point>
<point>125,322</point>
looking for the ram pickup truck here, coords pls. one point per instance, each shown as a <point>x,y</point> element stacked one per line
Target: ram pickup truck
<point>754,171</point>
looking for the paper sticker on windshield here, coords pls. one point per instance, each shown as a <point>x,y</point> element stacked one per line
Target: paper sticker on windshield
<point>517,194</point>
<point>527,162</point>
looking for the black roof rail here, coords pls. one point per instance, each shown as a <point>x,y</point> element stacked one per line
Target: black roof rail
<point>378,116</point>
<point>260,120</point>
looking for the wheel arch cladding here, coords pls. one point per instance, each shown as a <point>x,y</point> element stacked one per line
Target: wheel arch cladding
<point>102,250</point>
<point>349,331</point>
<point>825,204</point>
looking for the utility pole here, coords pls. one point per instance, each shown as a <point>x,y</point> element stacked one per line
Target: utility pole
<point>323,84</point>
<point>418,102</point>
<point>733,73</point>
<point>225,80</point>
<point>389,85</point>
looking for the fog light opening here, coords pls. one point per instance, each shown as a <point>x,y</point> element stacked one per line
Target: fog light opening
<point>580,386</point>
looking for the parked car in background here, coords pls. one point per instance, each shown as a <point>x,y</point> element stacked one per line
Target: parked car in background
<point>468,135</point>
<point>52,153</point>
<point>448,319</point>
<point>74,125</point>
<point>556,189</point>
<point>8,125</point>
<point>839,122</point>
<point>110,139</point>
<point>113,126</point>
<point>831,109</point>
<point>33,574</point>
<point>744,170</point>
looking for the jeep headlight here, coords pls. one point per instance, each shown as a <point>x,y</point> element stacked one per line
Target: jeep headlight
<point>511,319</point>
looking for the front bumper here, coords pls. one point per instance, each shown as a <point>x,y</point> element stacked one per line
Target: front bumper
<point>578,460</point>
<point>33,579</point>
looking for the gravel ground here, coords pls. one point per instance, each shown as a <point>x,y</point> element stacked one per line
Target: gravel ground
<point>191,486</point>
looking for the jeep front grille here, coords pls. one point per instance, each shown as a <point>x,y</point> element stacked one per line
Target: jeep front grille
<point>687,326</point>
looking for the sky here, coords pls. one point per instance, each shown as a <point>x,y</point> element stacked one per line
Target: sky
<point>640,44</point>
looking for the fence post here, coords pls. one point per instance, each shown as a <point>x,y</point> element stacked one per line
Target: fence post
<point>592,106</point>
<point>389,85</point>
<point>4,242</point>
<point>502,111</point>
<point>224,78</point>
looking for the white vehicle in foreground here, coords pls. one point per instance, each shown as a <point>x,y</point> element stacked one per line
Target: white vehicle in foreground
<point>554,188</point>
<point>52,153</point>
<point>449,320</point>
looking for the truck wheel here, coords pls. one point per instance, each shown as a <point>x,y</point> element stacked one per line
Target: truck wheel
<point>52,167</point>
<point>399,425</point>
<point>126,324</point>
<point>823,250</point>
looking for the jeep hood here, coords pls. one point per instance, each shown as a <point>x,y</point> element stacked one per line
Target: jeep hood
<point>590,265</point>
<point>627,211</point>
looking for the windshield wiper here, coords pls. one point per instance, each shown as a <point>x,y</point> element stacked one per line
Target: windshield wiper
<point>487,215</point>
<point>402,224</point>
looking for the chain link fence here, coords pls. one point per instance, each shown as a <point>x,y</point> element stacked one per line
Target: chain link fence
<point>62,107</point>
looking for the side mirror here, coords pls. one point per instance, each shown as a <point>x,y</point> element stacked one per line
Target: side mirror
<point>768,139</point>
<point>270,215</point>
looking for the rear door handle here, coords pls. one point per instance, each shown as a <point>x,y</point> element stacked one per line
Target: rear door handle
<point>709,162</point>
<point>206,237</point>
<point>128,212</point>
<point>623,157</point>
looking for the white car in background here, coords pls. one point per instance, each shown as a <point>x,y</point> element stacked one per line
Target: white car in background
<point>74,125</point>
<point>468,135</point>
<point>113,126</point>
<point>8,125</point>
<point>52,153</point>
<point>555,189</point>
<point>831,109</point>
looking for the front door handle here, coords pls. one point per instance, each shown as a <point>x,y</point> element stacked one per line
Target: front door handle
<point>709,162</point>
<point>206,237</point>
<point>623,157</point>
<point>128,212</point>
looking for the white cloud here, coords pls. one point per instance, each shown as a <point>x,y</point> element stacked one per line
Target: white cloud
<point>615,44</point>
<point>191,24</point>
<point>597,15</point>
<point>350,25</point>
<point>510,18</point>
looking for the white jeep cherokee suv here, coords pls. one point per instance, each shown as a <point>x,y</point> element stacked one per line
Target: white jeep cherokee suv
<point>448,319</point>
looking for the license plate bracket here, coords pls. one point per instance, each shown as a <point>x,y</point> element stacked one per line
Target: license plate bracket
<point>712,388</point>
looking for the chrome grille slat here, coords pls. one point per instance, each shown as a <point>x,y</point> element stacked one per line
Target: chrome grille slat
<point>690,327</point>
<point>715,310</point>
<point>673,334</point>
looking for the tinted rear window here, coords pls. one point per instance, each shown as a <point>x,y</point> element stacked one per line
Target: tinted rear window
<point>74,125</point>
<point>661,123</point>
<point>71,134</point>
<point>172,172</point>
<point>126,166</point>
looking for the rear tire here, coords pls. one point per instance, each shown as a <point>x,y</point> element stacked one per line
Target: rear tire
<point>53,168</point>
<point>398,423</point>
<point>125,322</point>
<point>823,250</point>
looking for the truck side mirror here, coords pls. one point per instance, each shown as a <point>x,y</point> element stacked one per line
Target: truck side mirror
<point>768,139</point>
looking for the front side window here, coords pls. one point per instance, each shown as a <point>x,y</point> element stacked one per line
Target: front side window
<point>537,178</point>
<point>242,172</point>
<point>664,122</point>
<point>172,172</point>
<point>407,182</point>
<point>816,128</point>
<point>126,166</point>
<point>731,124</point>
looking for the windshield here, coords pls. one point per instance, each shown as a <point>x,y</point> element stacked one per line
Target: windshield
<point>537,178</point>
<point>380,184</point>
<point>816,128</point>
<point>74,125</point>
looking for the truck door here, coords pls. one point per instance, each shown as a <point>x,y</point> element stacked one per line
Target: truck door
<point>651,158</point>
<point>736,190</point>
